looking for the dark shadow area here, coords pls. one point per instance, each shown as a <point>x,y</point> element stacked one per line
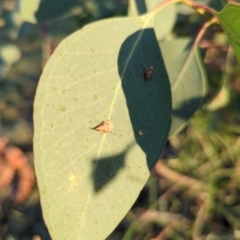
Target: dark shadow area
<point>148,101</point>
<point>141,6</point>
<point>107,168</point>
<point>216,4</point>
<point>187,109</point>
<point>182,114</point>
<point>87,13</point>
<point>19,225</point>
<point>50,9</point>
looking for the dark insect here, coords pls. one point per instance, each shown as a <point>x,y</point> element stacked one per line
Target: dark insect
<point>104,127</point>
<point>148,73</point>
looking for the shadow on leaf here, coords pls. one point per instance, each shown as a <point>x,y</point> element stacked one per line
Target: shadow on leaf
<point>107,168</point>
<point>183,113</point>
<point>141,6</point>
<point>148,101</point>
<point>148,98</point>
<point>187,109</point>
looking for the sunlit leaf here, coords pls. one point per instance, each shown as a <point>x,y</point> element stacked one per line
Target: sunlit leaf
<point>96,80</point>
<point>28,10</point>
<point>44,10</point>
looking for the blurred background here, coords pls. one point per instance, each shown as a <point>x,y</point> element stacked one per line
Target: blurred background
<point>193,192</point>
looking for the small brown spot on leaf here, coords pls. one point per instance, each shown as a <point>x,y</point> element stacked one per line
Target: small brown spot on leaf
<point>63,108</point>
<point>104,127</point>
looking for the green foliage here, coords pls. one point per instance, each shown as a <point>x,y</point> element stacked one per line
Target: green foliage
<point>28,10</point>
<point>229,20</point>
<point>38,11</point>
<point>103,114</point>
<point>161,27</point>
<point>187,79</point>
<point>86,176</point>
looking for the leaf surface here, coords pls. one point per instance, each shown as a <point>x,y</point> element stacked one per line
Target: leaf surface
<point>42,10</point>
<point>88,179</point>
<point>229,19</point>
<point>28,10</point>
<point>164,19</point>
<point>187,77</point>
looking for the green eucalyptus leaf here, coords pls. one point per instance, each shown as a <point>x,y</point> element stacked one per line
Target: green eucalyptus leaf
<point>229,21</point>
<point>164,20</point>
<point>42,10</point>
<point>28,10</point>
<point>109,76</point>
<point>47,12</point>
<point>187,77</point>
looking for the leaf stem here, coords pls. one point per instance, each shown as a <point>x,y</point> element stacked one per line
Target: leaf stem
<point>203,30</point>
<point>200,8</point>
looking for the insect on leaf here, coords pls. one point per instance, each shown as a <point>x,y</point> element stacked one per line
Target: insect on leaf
<point>89,179</point>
